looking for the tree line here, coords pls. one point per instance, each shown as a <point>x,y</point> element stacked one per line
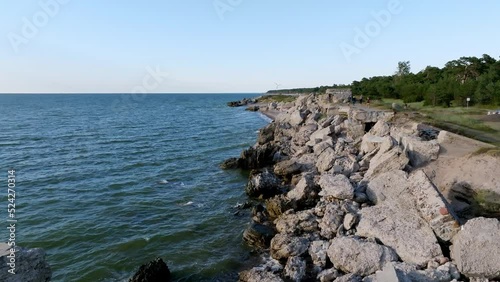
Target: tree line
<point>468,77</point>
<point>320,89</point>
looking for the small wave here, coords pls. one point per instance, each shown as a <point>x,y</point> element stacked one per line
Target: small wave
<point>187,204</point>
<point>266,118</point>
<point>163,181</point>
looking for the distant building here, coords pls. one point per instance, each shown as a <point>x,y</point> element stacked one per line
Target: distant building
<point>338,95</point>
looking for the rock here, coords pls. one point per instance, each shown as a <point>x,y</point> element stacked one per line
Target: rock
<point>284,246</point>
<point>264,184</point>
<point>337,186</point>
<point>402,229</point>
<point>258,157</point>
<point>266,134</point>
<point>345,165</point>
<point>328,275</point>
<point>350,220</point>
<point>297,223</point>
<point>305,193</point>
<point>387,274</point>
<point>258,275</point>
<point>381,128</point>
<point>258,235</point>
<point>326,160</point>
<point>231,163</point>
<point>154,271</point>
<point>317,251</point>
<point>287,168</point>
<point>432,207</point>
<point>254,108</point>
<point>349,278</point>
<point>388,186</point>
<point>395,159</point>
<point>333,218</point>
<point>277,205</point>
<point>370,143</point>
<point>420,152</point>
<point>295,269</point>
<point>476,248</point>
<point>319,148</point>
<point>360,257</point>
<point>304,134</point>
<point>30,265</point>
<point>403,272</point>
<point>296,118</point>
<point>322,134</point>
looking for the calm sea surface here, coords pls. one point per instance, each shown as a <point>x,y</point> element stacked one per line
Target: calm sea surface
<point>106,183</point>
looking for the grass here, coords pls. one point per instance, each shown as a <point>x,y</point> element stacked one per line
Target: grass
<point>487,203</point>
<point>461,120</point>
<point>495,152</point>
<point>278,98</point>
<point>444,116</point>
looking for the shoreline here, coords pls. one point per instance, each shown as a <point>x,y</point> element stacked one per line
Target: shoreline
<point>321,172</point>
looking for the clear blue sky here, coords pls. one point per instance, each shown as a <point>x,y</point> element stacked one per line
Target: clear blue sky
<point>107,45</point>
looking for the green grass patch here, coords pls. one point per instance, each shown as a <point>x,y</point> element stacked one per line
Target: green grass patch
<point>487,203</point>
<point>460,119</point>
<point>278,98</point>
<point>495,152</point>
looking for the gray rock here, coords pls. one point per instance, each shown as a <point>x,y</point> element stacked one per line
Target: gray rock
<point>258,235</point>
<point>156,270</point>
<point>322,134</point>
<point>349,278</point>
<point>370,143</point>
<point>388,186</point>
<point>420,152</point>
<point>305,193</point>
<point>257,157</point>
<point>387,274</point>
<point>404,272</point>
<point>337,186</point>
<point>326,160</point>
<point>332,220</point>
<point>350,220</point>
<point>287,168</point>
<point>432,206</point>
<point>360,257</point>
<point>30,265</point>
<point>381,128</point>
<point>297,223</point>
<point>258,275</point>
<point>296,118</point>
<point>266,134</point>
<point>295,269</point>
<point>263,183</point>
<point>277,205</point>
<point>402,229</point>
<point>284,246</point>
<point>304,134</point>
<point>317,251</point>
<point>345,165</point>
<point>322,146</point>
<point>395,159</point>
<point>328,275</point>
<point>476,248</point>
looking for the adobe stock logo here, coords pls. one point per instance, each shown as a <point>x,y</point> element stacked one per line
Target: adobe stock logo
<point>223,6</point>
<point>372,29</point>
<point>31,27</point>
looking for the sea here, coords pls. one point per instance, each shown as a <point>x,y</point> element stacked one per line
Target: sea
<point>108,182</point>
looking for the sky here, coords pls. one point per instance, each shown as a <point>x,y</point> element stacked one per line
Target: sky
<point>229,46</point>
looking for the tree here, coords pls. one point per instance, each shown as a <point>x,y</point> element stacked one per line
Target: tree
<point>403,68</point>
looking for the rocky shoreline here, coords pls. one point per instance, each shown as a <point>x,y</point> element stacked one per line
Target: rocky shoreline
<point>346,195</point>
